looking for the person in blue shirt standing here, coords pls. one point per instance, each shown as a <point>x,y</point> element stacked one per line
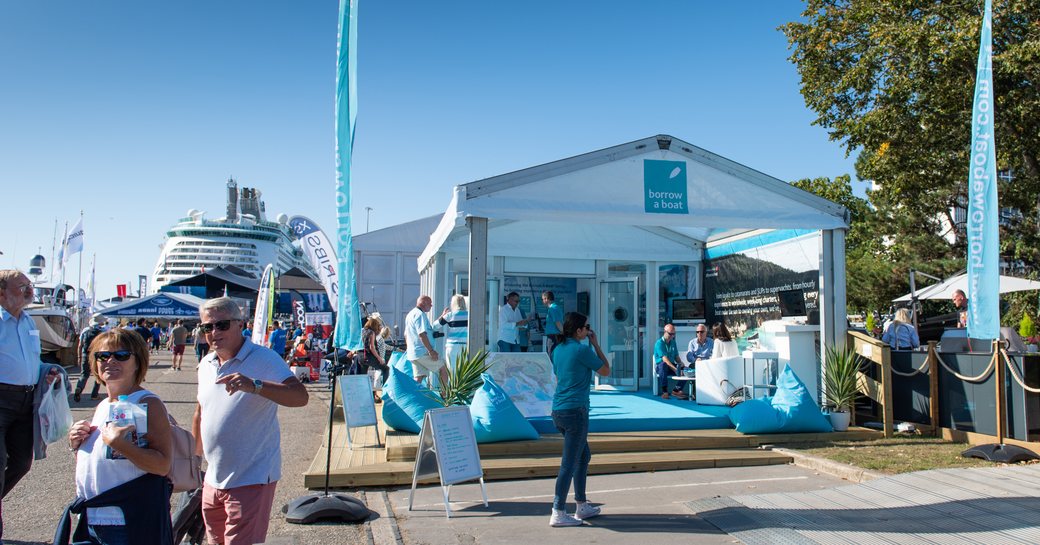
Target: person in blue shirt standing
<point>573,365</point>
<point>666,360</point>
<point>276,340</point>
<point>553,322</point>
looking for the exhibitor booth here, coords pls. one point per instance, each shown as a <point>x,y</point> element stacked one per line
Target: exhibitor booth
<point>639,235</point>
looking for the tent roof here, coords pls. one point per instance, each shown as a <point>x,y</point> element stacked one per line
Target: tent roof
<point>602,193</point>
<point>219,276</point>
<point>945,289</point>
<point>404,237</point>
<point>159,305</point>
<point>297,280</point>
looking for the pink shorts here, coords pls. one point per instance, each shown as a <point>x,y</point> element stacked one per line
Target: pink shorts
<point>237,516</point>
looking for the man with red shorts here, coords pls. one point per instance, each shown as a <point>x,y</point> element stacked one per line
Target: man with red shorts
<point>178,340</point>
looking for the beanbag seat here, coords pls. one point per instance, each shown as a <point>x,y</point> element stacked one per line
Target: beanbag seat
<point>495,417</point>
<point>790,410</point>
<point>399,361</point>
<point>405,402</point>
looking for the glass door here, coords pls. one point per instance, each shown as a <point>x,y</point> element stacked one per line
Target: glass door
<point>618,332</point>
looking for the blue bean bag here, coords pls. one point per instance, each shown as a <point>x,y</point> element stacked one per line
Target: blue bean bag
<point>400,362</point>
<point>790,410</point>
<point>495,417</point>
<point>405,403</point>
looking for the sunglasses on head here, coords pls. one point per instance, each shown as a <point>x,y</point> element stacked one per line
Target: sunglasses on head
<point>222,325</point>
<point>119,355</point>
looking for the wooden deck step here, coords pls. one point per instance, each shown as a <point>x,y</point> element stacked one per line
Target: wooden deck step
<point>543,465</point>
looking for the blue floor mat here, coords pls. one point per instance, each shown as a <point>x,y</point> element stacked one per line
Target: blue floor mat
<point>642,411</point>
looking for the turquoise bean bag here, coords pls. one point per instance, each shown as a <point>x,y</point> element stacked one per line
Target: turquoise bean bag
<point>790,410</point>
<point>495,417</point>
<point>405,402</point>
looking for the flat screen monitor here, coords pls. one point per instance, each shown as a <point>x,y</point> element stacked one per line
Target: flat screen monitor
<point>792,303</point>
<point>685,310</point>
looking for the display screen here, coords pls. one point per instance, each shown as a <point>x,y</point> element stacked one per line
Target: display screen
<point>687,309</point>
<point>792,303</point>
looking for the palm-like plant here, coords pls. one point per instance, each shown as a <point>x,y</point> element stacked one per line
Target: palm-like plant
<point>465,379</point>
<point>841,377</point>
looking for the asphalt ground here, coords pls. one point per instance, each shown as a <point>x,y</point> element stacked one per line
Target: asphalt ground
<point>637,507</point>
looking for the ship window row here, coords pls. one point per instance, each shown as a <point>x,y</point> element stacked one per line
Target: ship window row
<point>210,233</point>
<point>214,244</point>
<point>207,251</point>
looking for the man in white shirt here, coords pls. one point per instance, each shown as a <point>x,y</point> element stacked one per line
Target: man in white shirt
<point>241,385</point>
<point>418,335</point>
<point>509,321</point>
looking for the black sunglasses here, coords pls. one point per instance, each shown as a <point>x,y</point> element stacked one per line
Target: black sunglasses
<point>119,355</point>
<point>222,325</point>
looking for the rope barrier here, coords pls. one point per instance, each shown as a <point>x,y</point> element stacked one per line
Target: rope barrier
<point>1014,373</point>
<point>922,369</point>
<point>980,378</point>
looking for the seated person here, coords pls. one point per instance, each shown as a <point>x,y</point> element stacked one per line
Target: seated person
<point>723,346</point>
<point>901,334</point>
<point>666,360</point>
<point>700,347</point>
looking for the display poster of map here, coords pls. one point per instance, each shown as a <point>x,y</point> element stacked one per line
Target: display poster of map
<point>528,379</point>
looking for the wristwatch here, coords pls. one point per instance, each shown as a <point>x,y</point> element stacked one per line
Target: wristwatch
<point>257,385</point>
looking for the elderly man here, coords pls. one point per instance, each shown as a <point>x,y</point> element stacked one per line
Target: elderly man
<point>417,335</point>
<point>701,345</point>
<point>20,370</point>
<point>509,321</point>
<point>241,386</point>
<point>666,359</point>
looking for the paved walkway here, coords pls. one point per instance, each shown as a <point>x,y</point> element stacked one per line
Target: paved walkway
<point>949,506</point>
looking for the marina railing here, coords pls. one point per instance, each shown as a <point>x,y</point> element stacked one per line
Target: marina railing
<point>879,356</point>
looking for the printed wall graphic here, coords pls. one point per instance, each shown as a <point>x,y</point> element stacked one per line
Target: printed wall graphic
<point>743,289</point>
<point>664,187</point>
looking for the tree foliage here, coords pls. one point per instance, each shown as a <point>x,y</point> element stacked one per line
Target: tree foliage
<point>894,80</point>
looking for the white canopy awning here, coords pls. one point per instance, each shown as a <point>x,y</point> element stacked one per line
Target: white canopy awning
<point>594,205</point>
<point>945,289</point>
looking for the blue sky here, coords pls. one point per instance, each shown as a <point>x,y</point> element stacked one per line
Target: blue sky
<point>135,112</point>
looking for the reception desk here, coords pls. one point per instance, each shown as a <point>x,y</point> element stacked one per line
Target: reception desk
<point>796,344</point>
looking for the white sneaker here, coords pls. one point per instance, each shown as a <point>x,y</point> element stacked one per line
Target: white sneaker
<point>586,511</point>
<point>561,518</point>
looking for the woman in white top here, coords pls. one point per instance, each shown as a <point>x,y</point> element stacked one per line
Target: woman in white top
<point>724,346</point>
<point>118,360</point>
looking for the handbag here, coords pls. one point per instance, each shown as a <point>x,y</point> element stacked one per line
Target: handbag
<point>737,396</point>
<point>185,466</point>
<point>54,413</point>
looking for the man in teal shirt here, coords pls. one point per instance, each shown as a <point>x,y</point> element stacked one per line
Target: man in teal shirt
<point>666,359</point>
<point>553,322</point>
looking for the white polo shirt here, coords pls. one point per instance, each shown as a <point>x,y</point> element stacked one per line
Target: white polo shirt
<point>415,324</point>
<point>240,435</point>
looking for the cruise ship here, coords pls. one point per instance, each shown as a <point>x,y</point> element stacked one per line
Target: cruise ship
<point>243,238</point>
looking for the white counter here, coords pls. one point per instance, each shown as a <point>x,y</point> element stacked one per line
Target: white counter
<point>796,344</point>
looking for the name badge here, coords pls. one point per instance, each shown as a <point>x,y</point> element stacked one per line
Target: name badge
<point>34,333</point>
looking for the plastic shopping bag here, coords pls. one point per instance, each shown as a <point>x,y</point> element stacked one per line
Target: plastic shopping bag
<point>55,414</point>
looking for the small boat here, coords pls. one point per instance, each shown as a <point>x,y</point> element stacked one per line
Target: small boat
<point>51,310</point>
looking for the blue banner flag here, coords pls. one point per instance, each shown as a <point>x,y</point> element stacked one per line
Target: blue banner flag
<point>983,238</point>
<point>348,321</point>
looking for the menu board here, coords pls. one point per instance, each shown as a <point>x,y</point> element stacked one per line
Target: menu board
<point>359,407</point>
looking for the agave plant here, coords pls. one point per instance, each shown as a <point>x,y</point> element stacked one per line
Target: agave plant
<point>465,379</point>
<point>840,377</point>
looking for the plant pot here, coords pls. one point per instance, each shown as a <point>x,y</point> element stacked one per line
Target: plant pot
<point>839,420</point>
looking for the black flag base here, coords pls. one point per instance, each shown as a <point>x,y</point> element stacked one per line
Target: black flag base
<point>325,506</point>
<point>993,452</point>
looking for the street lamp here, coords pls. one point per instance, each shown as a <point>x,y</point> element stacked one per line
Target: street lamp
<point>368,214</point>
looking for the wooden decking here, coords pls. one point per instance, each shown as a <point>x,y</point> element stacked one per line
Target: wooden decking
<point>369,464</point>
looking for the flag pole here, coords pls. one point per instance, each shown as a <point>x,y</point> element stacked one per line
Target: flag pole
<point>65,248</point>
<point>79,282</point>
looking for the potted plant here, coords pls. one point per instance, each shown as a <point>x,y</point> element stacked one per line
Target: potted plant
<point>465,379</point>
<point>1027,329</point>
<point>840,381</point>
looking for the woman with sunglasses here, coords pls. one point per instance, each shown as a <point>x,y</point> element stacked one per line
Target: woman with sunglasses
<point>573,365</point>
<point>126,493</point>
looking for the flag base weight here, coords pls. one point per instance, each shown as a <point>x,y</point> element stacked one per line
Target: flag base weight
<point>323,506</point>
<point>993,452</point>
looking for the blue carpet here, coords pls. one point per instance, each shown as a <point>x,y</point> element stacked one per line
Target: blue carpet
<point>631,411</point>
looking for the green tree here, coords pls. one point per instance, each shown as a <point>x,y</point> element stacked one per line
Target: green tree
<point>895,80</point>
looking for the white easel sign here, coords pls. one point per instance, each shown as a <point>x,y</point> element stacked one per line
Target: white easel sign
<point>359,408</point>
<point>447,450</point>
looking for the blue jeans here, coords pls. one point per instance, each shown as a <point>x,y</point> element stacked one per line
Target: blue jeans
<point>574,465</point>
<point>108,535</point>
<point>508,347</point>
<point>663,372</point>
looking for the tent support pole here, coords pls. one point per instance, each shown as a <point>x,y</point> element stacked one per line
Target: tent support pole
<point>478,304</point>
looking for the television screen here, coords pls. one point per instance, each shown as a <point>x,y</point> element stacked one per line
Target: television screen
<point>792,303</point>
<point>687,309</point>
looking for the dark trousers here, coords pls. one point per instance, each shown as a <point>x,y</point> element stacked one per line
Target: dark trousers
<point>663,372</point>
<point>84,376</point>
<point>201,349</point>
<point>16,439</point>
